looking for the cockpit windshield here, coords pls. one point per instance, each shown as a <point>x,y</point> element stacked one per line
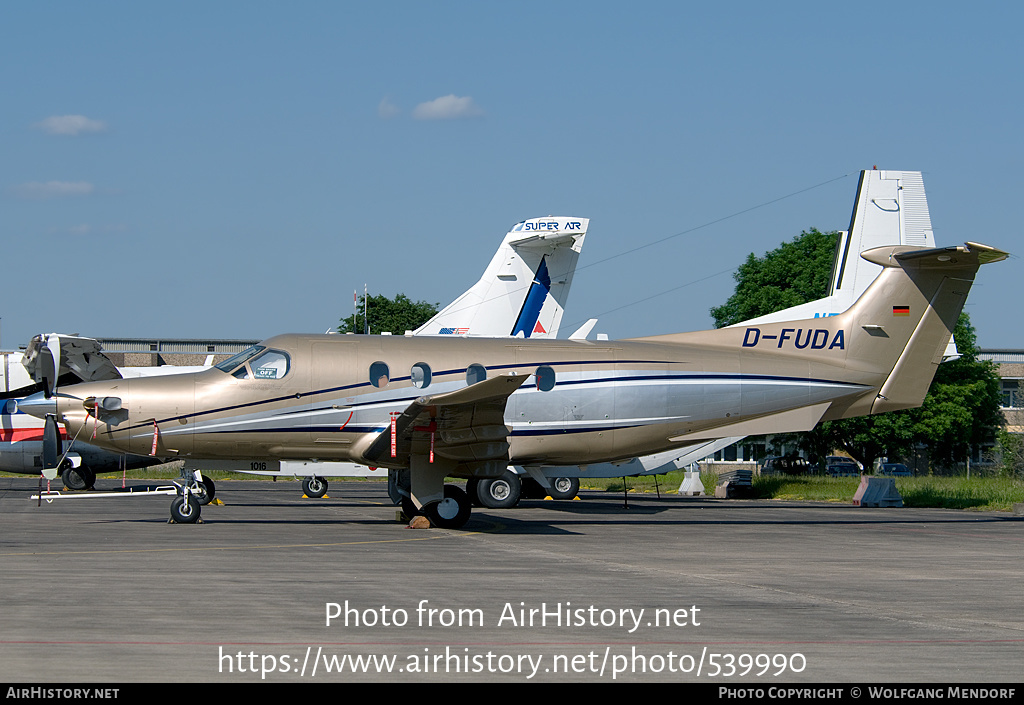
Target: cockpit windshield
<point>257,363</point>
<point>273,364</point>
<point>236,360</point>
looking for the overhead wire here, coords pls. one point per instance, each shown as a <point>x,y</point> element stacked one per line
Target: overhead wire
<point>659,241</point>
<point>687,232</point>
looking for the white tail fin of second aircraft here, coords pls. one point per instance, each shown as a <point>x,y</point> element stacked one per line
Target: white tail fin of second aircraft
<point>890,209</point>
<point>524,288</point>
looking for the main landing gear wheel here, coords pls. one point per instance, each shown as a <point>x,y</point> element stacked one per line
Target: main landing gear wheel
<point>185,514</point>
<point>565,487</point>
<point>315,487</point>
<point>500,493</point>
<point>80,478</point>
<point>206,491</point>
<point>452,512</point>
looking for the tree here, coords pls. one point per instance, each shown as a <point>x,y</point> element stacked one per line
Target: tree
<point>389,315</point>
<point>792,274</point>
<point>1009,453</point>
<point>961,408</point>
<point>960,411</point>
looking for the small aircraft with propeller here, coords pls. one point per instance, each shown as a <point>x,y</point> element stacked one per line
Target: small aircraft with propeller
<point>433,407</point>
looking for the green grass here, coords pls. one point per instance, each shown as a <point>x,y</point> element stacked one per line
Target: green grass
<point>985,493</point>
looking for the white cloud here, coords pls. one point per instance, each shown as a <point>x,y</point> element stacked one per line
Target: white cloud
<point>387,110</point>
<point>69,125</point>
<point>53,189</point>
<point>447,107</point>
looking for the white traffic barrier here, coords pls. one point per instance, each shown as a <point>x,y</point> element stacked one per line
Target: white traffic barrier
<point>877,492</point>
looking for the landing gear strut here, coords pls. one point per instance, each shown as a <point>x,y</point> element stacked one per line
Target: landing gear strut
<point>193,491</point>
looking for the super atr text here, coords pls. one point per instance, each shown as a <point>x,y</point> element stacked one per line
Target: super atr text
<point>543,615</point>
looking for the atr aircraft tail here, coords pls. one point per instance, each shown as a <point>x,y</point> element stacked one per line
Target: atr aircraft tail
<point>890,209</point>
<point>524,288</point>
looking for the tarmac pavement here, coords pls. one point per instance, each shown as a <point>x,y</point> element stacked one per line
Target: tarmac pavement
<point>672,589</point>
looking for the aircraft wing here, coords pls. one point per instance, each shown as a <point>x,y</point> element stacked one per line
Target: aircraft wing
<point>464,426</point>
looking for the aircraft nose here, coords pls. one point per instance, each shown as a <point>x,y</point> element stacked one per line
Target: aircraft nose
<point>38,405</point>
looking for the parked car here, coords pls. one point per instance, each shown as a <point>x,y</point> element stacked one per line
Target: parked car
<point>895,470</point>
<point>841,466</point>
<point>785,466</point>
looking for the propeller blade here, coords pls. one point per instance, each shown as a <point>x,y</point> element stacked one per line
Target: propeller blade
<point>51,364</point>
<point>52,447</point>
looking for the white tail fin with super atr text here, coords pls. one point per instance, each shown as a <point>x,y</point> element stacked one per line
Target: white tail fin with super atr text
<point>522,292</point>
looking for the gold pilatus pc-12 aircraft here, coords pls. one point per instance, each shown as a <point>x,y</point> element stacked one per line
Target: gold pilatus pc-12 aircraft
<point>470,407</point>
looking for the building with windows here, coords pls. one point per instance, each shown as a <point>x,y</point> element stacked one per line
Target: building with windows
<point>156,352</point>
<point>1011,375</point>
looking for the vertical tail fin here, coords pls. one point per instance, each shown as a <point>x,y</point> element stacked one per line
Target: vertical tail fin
<point>911,317</point>
<point>890,341</point>
<point>890,209</point>
<point>524,289</point>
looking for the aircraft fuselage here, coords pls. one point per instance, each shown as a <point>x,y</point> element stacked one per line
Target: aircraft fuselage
<point>334,394</point>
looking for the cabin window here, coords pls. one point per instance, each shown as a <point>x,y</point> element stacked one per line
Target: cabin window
<point>380,374</point>
<point>475,373</point>
<point>420,375</point>
<point>545,376</point>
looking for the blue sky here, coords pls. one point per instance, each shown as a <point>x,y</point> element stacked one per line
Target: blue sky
<point>235,170</point>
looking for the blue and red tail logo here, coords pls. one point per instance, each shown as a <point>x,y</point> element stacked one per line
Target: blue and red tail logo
<point>528,323</point>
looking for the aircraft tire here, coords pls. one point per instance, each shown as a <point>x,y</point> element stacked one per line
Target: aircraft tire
<point>183,515</point>
<point>315,487</point>
<point>452,512</point>
<point>502,492</point>
<point>564,487</point>
<point>206,491</point>
<point>79,478</point>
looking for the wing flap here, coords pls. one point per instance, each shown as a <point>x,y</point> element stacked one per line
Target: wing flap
<point>466,426</point>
